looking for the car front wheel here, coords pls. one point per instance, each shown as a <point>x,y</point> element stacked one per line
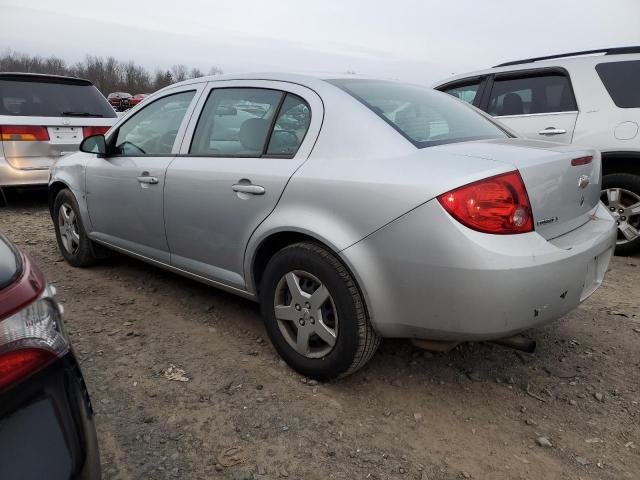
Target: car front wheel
<point>73,241</point>
<point>621,195</point>
<point>314,313</point>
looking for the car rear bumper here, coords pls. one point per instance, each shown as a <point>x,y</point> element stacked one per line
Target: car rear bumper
<point>47,428</point>
<point>427,276</point>
<point>10,176</point>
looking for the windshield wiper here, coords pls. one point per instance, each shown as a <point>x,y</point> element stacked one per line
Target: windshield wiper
<point>81,114</point>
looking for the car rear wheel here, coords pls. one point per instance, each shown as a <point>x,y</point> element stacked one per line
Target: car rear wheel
<point>73,241</point>
<point>621,195</point>
<point>314,313</point>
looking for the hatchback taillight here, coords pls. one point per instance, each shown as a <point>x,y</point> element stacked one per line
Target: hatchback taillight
<point>498,205</point>
<point>23,133</point>
<point>31,330</point>
<point>89,131</point>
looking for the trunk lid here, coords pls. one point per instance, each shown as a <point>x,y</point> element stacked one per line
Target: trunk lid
<point>563,196</point>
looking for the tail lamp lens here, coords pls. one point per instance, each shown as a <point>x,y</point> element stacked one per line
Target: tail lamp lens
<point>23,133</point>
<point>31,338</point>
<point>89,131</point>
<point>498,205</point>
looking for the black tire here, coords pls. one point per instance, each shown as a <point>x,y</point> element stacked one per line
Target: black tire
<point>631,183</point>
<point>355,341</point>
<point>87,253</point>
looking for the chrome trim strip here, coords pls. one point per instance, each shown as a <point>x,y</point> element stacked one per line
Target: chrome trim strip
<point>534,114</point>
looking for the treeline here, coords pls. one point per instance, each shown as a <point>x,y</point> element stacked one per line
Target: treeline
<point>107,74</point>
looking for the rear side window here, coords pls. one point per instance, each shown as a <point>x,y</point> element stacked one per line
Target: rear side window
<point>622,81</point>
<point>424,116</point>
<point>531,94</point>
<point>39,98</point>
<point>291,127</point>
<point>467,92</point>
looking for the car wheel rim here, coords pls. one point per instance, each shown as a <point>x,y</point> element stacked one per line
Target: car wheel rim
<point>68,227</point>
<point>306,314</point>
<point>624,205</point>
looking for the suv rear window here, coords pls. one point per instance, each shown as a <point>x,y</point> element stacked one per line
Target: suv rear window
<point>423,116</point>
<point>56,98</point>
<point>622,80</point>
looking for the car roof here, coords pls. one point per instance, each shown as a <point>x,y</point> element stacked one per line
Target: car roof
<point>43,76</point>
<point>590,57</point>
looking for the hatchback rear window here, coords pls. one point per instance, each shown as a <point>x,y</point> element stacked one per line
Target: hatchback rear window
<point>423,116</point>
<point>621,79</point>
<point>58,98</point>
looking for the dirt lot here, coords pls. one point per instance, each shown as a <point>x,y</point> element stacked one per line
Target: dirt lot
<point>475,412</point>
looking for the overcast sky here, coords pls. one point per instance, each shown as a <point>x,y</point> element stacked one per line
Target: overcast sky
<point>417,40</point>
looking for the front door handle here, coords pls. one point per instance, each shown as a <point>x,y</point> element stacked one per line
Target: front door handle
<point>552,131</point>
<point>147,179</point>
<point>248,188</point>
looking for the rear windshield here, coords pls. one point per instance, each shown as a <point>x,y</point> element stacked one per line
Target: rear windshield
<point>423,116</point>
<point>622,81</point>
<point>52,99</point>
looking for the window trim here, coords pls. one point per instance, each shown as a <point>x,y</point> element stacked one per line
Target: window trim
<point>526,73</point>
<point>113,136</point>
<point>265,147</point>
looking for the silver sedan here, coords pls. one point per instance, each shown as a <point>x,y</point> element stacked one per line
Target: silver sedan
<point>351,209</point>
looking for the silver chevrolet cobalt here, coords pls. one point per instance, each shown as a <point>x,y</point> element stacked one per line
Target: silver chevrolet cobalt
<point>351,209</point>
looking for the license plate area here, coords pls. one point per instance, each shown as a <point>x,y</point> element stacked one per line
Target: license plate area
<point>596,268</point>
<point>65,135</point>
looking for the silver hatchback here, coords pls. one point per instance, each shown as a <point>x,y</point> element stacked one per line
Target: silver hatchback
<point>42,118</point>
<point>351,209</point>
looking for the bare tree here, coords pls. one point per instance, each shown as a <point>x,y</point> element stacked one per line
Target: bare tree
<point>107,74</point>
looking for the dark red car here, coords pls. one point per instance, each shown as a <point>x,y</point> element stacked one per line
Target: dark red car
<point>137,98</point>
<point>120,101</point>
<point>46,420</point>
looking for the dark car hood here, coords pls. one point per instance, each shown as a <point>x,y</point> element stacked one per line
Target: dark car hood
<point>10,262</point>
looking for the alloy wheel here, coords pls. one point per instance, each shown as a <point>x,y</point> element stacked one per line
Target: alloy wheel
<point>624,205</point>
<point>68,227</point>
<point>306,314</point>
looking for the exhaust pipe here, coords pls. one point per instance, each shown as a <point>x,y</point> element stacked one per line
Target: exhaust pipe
<point>518,342</point>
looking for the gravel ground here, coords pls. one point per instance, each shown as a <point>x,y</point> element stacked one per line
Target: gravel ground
<point>569,411</point>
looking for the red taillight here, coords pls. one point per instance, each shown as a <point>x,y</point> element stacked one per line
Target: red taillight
<point>18,364</point>
<point>581,161</point>
<point>21,133</point>
<point>89,131</point>
<point>498,205</point>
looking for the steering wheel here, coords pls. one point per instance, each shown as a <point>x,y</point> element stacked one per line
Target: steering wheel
<point>121,147</point>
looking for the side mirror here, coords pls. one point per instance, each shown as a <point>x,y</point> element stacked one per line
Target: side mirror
<point>94,144</point>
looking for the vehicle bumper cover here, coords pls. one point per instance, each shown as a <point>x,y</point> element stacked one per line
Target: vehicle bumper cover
<point>47,428</point>
<point>10,177</point>
<point>425,275</point>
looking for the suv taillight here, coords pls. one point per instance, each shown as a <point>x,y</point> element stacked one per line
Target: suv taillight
<point>31,330</point>
<point>89,131</point>
<point>498,205</point>
<point>23,133</point>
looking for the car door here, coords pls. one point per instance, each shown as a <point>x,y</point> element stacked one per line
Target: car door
<point>538,104</point>
<point>125,187</point>
<point>236,159</point>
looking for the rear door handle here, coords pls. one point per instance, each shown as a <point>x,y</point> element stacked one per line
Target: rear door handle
<point>552,131</point>
<point>248,188</point>
<point>148,179</point>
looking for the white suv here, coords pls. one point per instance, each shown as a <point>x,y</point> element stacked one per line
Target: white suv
<point>589,98</point>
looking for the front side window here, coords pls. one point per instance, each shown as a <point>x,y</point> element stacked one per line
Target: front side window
<point>422,115</point>
<point>465,92</point>
<point>236,122</point>
<point>622,80</point>
<point>532,94</point>
<point>153,130</point>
